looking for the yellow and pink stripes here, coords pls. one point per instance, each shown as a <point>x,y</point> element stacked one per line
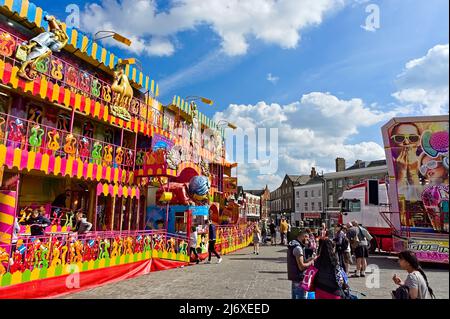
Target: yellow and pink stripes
<point>49,164</point>
<point>7,214</point>
<point>77,40</point>
<point>117,190</point>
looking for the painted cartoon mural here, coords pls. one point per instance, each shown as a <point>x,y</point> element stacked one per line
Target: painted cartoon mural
<point>417,153</point>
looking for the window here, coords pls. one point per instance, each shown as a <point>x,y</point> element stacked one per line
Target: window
<point>312,193</point>
<point>330,184</point>
<point>320,193</point>
<point>330,200</point>
<point>340,183</point>
<point>350,182</point>
<point>297,194</point>
<point>306,193</point>
<point>319,204</point>
<point>306,207</point>
<point>297,205</point>
<point>354,206</point>
<point>312,206</point>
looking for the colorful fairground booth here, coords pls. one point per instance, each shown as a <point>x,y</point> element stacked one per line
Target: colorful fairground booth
<point>83,138</point>
<point>190,181</point>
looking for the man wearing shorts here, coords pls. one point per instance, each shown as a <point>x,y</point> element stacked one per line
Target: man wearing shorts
<point>362,240</point>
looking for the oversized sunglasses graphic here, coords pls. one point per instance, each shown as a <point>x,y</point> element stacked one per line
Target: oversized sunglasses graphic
<point>429,165</point>
<point>400,138</point>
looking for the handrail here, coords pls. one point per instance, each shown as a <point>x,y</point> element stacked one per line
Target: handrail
<point>60,249</point>
<point>32,136</point>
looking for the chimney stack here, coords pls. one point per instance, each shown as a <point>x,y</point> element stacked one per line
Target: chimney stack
<point>340,164</point>
<point>313,172</point>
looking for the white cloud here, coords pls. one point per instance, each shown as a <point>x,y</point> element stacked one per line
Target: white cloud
<point>312,132</point>
<point>272,79</point>
<point>278,22</point>
<point>424,82</point>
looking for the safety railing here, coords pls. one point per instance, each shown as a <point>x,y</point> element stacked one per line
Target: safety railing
<point>31,136</point>
<point>232,236</point>
<point>33,252</point>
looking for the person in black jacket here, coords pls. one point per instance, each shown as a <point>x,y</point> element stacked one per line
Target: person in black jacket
<point>327,281</point>
<point>38,223</point>
<point>212,242</point>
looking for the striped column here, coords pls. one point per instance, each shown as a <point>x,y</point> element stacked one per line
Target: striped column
<point>7,215</point>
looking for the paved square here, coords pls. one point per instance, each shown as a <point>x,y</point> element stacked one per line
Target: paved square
<point>245,275</point>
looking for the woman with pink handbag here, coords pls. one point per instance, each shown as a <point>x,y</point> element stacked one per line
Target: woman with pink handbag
<point>328,280</point>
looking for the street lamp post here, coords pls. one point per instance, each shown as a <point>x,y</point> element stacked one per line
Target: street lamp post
<point>192,98</point>
<point>110,34</point>
<point>223,123</point>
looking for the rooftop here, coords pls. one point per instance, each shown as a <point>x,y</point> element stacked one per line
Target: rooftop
<point>364,164</point>
<point>258,192</point>
<point>357,172</point>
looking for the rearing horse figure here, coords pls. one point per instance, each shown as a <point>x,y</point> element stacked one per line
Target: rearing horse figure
<point>121,87</point>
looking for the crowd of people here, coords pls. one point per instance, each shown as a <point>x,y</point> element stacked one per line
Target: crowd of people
<point>320,263</point>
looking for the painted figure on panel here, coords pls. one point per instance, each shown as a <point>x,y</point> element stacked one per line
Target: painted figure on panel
<point>41,47</point>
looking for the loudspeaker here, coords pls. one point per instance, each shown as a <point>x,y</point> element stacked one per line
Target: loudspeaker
<point>372,189</point>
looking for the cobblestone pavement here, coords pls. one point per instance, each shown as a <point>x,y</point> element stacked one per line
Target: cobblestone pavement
<point>245,275</point>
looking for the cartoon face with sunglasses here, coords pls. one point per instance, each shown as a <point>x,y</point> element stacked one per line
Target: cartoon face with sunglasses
<point>406,134</point>
<point>434,169</point>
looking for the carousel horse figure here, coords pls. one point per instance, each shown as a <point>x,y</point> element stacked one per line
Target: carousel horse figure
<point>121,87</point>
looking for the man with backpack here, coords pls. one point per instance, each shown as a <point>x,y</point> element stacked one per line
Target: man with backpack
<point>360,243</point>
<point>342,244</point>
<point>297,263</point>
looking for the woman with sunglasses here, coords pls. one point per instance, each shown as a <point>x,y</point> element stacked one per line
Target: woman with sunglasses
<point>435,172</point>
<point>405,142</point>
<point>433,169</point>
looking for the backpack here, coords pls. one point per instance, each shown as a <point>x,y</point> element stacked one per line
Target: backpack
<point>401,292</point>
<point>344,244</point>
<point>360,235</point>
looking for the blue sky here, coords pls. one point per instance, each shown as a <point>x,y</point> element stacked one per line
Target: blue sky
<point>346,66</point>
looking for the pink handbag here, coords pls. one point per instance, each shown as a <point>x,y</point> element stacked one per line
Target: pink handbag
<point>308,279</point>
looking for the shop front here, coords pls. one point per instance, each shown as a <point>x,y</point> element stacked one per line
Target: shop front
<point>312,219</point>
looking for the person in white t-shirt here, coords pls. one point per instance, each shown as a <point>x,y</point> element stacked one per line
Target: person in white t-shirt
<point>416,281</point>
<point>193,243</point>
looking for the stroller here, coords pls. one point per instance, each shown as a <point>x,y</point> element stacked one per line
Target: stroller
<point>353,294</point>
<point>349,293</point>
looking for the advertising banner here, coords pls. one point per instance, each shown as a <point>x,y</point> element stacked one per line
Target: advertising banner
<point>429,250</point>
<point>417,155</point>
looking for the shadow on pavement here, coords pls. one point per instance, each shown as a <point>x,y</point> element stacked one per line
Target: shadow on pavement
<point>272,272</point>
<point>276,259</point>
<point>386,263</point>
